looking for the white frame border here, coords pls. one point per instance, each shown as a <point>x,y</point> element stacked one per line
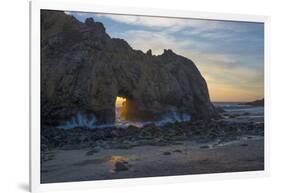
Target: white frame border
<point>85,6</point>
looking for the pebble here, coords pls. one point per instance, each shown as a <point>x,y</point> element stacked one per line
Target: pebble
<point>166,153</point>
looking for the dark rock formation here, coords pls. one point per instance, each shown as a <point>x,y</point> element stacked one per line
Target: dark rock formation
<point>123,138</point>
<point>255,103</point>
<point>121,166</point>
<point>83,70</point>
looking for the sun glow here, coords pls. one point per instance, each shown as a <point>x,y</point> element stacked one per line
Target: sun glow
<point>120,108</point>
<point>119,101</point>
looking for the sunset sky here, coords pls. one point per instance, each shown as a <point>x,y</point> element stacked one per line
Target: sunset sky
<point>228,54</point>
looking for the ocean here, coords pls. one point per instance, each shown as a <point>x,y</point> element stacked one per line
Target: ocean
<point>241,112</point>
<point>231,112</point>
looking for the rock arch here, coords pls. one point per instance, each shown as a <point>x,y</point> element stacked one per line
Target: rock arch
<point>83,70</point>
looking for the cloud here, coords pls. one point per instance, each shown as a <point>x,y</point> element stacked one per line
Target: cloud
<point>159,41</point>
<point>228,79</point>
<point>228,54</point>
<point>191,26</point>
<point>228,76</point>
<point>158,22</point>
<point>196,26</point>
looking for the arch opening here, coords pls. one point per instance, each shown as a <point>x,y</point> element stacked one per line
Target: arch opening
<point>120,108</point>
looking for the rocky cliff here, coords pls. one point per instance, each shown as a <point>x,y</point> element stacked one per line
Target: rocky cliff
<point>257,103</point>
<point>83,70</point>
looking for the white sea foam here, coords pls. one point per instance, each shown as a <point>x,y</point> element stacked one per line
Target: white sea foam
<point>81,120</point>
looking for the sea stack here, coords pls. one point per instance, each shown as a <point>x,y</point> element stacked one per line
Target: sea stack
<point>83,70</point>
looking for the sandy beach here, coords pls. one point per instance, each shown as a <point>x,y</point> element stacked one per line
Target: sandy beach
<point>234,143</point>
<point>179,158</point>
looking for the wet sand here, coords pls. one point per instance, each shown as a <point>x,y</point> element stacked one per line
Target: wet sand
<point>182,158</point>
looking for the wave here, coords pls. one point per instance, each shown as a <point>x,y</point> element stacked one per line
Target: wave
<point>81,120</point>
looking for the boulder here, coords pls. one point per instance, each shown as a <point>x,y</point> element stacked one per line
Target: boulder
<point>121,166</point>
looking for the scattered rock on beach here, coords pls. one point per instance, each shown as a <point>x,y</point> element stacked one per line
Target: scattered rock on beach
<point>178,151</point>
<point>166,153</point>
<point>150,134</point>
<point>91,152</point>
<point>121,166</point>
<point>204,147</point>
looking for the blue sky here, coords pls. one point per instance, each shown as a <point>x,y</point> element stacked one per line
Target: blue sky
<point>228,54</point>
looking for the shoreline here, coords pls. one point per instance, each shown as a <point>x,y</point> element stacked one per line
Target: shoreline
<point>183,158</point>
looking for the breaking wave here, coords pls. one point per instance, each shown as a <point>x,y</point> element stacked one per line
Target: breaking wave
<point>81,120</point>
